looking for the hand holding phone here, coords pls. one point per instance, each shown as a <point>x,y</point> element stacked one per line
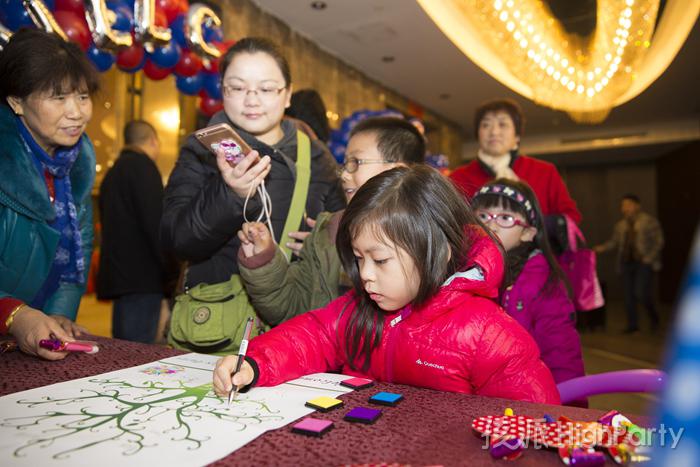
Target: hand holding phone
<point>223,141</point>
<point>222,136</point>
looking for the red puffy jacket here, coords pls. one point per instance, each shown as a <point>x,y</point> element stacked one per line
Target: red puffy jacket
<point>459,341</point>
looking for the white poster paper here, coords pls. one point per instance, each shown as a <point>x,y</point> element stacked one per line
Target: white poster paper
<point>160,413</point>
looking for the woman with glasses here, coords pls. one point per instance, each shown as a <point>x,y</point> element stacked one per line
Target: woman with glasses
<point>535,291</point>
<point>205,197</point>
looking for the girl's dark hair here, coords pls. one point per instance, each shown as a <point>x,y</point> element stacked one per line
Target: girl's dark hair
<point>421,212</point>
<point>517,257</point>
<point>508,106</point>
<point>37,61</point>
<point>252,45</point>
<point>307,105</point>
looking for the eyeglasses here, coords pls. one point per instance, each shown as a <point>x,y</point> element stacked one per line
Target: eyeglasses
<point>240,92</point>
<point>502,219</point>
<point>352,164</point>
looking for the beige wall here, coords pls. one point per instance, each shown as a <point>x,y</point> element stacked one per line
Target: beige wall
<point>343,88</point>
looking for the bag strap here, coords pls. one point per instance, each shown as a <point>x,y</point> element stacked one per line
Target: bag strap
<point>301,191</point>
<point>574,234</point>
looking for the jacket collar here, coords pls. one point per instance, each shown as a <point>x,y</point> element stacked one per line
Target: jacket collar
<point>514,154</point>
<point>481,277</point>
<point>22,187</point>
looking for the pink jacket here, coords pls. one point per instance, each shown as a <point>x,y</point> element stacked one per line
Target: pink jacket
<point>459,341</point>
<point>548,317</point>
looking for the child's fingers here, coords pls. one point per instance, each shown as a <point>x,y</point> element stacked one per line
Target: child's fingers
<point>222,374</point>
<point>245,376</point>
<point>243,237</point>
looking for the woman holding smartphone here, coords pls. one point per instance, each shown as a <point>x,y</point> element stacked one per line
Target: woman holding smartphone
<point>206,196</point>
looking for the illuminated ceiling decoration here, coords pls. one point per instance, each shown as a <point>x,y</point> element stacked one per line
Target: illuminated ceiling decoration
<point>522,45</point>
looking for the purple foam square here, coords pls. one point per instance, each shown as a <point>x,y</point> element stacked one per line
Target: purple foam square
<point>363,415</point>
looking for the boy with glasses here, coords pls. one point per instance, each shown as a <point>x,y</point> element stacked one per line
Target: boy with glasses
<point>280,290</point>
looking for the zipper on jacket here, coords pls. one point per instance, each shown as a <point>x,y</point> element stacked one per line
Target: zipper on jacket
<point>392,329</point>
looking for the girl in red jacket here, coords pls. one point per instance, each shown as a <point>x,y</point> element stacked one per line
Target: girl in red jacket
<point>420,312</point>
<point>535,291</point>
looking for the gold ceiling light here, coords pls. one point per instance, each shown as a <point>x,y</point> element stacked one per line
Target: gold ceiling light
<point>521,44</point>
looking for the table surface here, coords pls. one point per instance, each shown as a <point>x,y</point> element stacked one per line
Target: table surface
<point>427,428</point>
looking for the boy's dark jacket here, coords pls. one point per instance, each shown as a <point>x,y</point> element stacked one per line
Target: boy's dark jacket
<point>280,290</point>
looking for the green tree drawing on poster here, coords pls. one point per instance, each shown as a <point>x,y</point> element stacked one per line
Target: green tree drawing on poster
<point>121,411</point>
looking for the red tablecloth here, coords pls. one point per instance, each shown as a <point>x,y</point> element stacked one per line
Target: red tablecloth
<point>427,428</point>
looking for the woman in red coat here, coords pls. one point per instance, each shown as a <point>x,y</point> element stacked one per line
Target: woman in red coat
<point>424,275</point>
<point>499,125</point>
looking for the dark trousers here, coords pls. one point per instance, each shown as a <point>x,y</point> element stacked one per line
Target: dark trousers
<point>637,280</point>
<point>135,317</point>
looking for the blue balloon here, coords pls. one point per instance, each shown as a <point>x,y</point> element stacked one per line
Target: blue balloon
<point>14,16</point>
<point>189,85</point>
<point>102,60</point>
<point>212,34</point>
<point>212,84</point>
<point>166,56</point>
<point>124,16</point>
<point>177,28</point>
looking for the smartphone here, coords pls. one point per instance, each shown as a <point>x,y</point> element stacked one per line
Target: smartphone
<point>222,135</point>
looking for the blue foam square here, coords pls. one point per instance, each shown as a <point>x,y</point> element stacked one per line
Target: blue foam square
<point>386,398</point>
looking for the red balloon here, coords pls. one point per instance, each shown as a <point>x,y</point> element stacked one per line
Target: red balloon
<point>75,28</point>
<point>171,8</point>
<point>75,6</point>
<point>130,57</point>
<point>160,19</point>
<point>209,106</point>
<point>183,6</point>
<point>155,72</point>
<point>189,65</point>
<point>225,45</point>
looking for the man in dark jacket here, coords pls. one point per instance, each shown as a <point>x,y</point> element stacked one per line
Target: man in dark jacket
<point>132,269</point>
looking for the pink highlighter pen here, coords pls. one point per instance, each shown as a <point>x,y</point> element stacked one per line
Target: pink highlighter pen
<point>56,345</point>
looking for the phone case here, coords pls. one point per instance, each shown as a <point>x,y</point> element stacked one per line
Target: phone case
<point>222,135</point>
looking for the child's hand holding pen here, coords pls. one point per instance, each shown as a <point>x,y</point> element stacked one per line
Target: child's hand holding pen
<point>223,382</point>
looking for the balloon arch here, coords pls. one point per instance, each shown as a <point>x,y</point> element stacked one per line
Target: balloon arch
<point>160,37</point>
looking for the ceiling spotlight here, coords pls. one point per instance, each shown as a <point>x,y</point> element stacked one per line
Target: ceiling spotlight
<point>319,5</point>
<point>388,58</point>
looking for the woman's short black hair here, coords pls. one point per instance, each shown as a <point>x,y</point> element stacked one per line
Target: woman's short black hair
<point>38,61</point>
<point>253,45</point>
<point>508,106</point>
